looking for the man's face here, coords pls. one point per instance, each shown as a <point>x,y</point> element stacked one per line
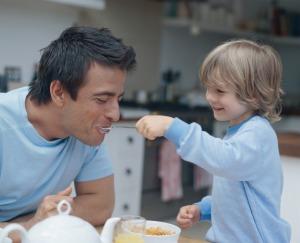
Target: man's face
<point>96,106</point>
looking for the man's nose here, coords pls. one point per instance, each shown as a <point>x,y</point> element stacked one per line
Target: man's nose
<point>113,112</point>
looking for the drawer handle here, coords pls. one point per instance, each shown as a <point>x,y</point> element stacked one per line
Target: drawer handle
<point>128,171</point>
<point>130,139</point>
<point>125,207</point>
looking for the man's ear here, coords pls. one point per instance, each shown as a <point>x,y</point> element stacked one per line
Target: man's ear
<point>57,93</point>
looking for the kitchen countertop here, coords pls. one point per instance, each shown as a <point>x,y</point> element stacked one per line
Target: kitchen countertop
<point>163,106</point>
<point>289,143</point>
<point>287,110</point>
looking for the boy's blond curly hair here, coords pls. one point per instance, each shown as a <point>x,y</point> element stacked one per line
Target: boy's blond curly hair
<point>252,70</point>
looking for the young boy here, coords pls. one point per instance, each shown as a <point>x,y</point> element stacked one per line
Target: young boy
<point>242,80</point>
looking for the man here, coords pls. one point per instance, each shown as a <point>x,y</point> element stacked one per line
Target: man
<point>50,132</point>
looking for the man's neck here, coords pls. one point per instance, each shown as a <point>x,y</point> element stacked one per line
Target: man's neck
<point>45,118</point>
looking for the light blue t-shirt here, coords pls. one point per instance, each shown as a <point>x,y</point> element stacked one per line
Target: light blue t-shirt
<point>247,185</point>
<point>32,167</point>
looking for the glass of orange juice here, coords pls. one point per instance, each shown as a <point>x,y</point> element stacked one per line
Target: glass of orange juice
<point>130,229</point>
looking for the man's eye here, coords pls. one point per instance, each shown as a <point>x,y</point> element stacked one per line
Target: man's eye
<point>120,98</point>
<point>100,101</point>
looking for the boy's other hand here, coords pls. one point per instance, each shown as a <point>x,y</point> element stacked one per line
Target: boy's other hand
<point>187,216</point>
<point>153,126</point>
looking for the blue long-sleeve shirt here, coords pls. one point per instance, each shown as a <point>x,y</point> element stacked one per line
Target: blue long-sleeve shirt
<point>247,185</point>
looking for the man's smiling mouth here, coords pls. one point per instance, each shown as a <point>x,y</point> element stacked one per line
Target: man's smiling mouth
<point>104,129</point>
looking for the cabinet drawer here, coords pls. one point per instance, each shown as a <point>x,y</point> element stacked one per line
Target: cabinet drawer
<point>128,177</point>
<point>126,149</point>
<point>125,141</point>
<point>127,202</point>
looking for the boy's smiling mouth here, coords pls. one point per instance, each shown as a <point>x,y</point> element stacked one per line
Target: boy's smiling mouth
<point>217,108</point>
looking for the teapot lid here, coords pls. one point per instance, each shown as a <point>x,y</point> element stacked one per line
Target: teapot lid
<point>64,226</point>
<point>63,220</point>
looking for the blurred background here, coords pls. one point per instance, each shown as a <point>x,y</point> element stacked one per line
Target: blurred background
<point>171,38</point>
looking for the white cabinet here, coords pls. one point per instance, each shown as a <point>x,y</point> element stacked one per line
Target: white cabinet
<point>126,149</point>
<point>290,203</point>
<point>92,4</point>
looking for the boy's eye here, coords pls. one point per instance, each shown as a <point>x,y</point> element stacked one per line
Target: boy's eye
<point>220,91</point>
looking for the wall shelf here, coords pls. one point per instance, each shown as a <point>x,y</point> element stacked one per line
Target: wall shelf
<point>90,4</point>
<point>187,23</point>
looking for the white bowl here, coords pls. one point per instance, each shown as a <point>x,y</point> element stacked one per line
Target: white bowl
<point>173,238</point>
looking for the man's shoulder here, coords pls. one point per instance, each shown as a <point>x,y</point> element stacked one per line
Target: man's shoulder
<point>11,99</point>
<point>12,107</point>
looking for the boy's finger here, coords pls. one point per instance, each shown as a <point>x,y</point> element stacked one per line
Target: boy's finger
<point>193,211</point>
<point>184,221</point>
<point>183,215</point>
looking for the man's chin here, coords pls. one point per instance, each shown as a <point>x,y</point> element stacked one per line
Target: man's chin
<point>93,143</point>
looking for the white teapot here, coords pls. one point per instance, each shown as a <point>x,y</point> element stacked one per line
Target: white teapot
<point>62,228</point>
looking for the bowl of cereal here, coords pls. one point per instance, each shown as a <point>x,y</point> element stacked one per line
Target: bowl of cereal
<point>161,232</point>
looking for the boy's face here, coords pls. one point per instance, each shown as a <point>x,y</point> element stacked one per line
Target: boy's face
<point>226,106</point>
<point>96,106</point>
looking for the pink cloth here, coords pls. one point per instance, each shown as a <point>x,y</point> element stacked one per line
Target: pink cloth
<point>202,178</point>
<point>170,172</point>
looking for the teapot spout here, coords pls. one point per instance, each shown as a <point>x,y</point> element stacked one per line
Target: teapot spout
<point>108,230</point>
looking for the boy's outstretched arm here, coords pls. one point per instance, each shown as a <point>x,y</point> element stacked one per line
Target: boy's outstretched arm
<point>153,126</point>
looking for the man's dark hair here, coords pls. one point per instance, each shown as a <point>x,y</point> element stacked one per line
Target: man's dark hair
<point>68,59</point>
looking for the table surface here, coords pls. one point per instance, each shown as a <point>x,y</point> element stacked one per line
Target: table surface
<point>189,240</point>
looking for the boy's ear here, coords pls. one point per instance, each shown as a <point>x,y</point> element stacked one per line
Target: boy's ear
<point>57,93</point>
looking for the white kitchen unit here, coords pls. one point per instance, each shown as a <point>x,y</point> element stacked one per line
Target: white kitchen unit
<point>126,149</point>
<point>290,203</point>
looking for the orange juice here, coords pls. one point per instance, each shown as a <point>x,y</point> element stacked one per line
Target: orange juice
<point>128,238</point>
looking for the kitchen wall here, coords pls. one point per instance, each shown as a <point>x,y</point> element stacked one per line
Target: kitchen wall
<point>185,52</point>
<point>291,72</point>
<point>27,26</point>
<point>139,23</point>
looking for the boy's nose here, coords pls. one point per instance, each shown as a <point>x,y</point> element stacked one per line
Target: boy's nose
<point>209,96</point>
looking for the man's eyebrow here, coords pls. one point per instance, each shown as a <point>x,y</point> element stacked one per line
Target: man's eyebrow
<point>107,93</point>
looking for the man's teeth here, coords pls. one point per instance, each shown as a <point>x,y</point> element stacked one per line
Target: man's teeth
<point>105,129</point>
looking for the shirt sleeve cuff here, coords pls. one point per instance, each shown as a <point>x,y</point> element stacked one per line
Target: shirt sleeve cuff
<point>205,208</point>
<point>176,131</point>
